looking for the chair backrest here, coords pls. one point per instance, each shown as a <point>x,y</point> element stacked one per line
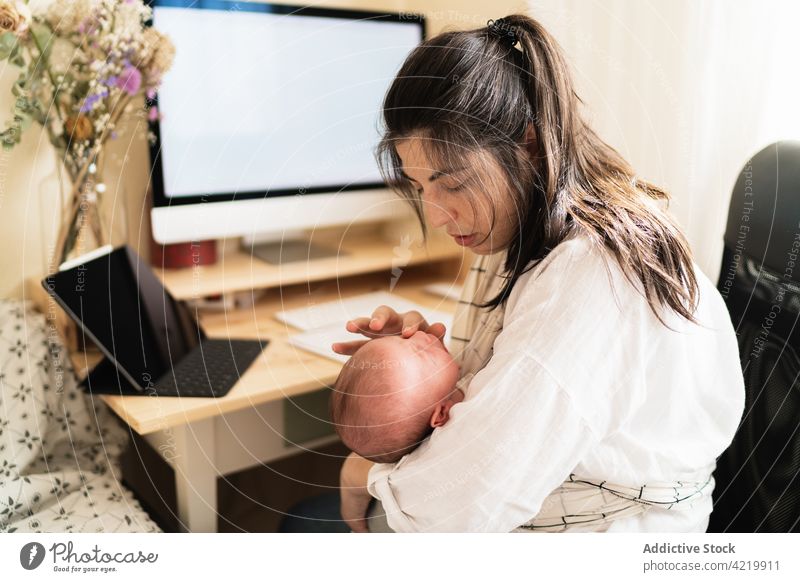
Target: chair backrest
<point>758,477</point>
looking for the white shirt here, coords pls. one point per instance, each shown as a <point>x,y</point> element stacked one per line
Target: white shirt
<point>584,379</point>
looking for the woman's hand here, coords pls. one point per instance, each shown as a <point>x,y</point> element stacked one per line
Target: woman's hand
<point>353,491</point>
<point>386,321</point>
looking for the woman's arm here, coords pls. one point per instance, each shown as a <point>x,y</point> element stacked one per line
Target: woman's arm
<point>353,491</point>
<point>491,466</point>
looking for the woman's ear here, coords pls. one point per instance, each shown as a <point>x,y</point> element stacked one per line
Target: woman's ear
<point>531,141</point>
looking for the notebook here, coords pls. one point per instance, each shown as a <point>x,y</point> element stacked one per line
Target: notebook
<point>324,324</point>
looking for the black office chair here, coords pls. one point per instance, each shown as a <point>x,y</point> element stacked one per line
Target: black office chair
<point>758,477</point>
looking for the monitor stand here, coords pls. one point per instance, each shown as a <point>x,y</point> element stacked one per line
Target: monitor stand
<point>289,250</point>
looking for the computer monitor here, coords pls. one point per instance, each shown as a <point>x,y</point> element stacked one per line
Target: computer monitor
<point>270,116</point>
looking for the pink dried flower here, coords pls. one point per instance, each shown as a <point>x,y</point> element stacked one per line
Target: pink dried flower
<point>130,80</point>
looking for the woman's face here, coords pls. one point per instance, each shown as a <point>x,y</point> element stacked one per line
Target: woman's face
<point>472,203</point>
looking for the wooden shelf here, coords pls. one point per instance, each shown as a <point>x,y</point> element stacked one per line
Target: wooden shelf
<point>356,253</point>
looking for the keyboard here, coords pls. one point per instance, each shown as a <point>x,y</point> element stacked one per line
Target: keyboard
<point>211,369</point>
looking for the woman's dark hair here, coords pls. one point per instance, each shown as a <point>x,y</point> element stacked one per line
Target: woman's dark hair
<point>472,91</point>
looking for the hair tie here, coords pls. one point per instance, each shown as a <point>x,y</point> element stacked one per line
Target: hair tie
<point>502,30</point>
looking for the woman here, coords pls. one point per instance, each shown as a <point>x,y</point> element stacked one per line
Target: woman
<point>600,366</point>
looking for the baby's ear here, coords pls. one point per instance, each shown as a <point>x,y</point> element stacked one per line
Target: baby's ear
<point>441,414</point>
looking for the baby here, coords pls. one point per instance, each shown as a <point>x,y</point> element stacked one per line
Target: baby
<point>392,393</point>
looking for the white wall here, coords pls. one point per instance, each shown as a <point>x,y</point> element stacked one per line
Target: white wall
<point>29,191</point>
<point>686,90</point>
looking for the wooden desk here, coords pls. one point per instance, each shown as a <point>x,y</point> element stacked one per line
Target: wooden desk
<point>204,438</point>
<point>369,261</point>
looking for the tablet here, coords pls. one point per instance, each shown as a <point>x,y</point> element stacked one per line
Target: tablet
<point>120,304</point>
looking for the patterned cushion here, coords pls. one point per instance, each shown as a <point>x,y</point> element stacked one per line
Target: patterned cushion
<point>59,448</point>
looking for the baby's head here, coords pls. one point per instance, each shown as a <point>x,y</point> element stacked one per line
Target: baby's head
<point>392,393</point>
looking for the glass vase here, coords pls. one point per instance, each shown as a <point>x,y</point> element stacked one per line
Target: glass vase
<point>90,212</point>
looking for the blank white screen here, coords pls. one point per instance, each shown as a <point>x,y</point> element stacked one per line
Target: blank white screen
<point>258,101</point>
